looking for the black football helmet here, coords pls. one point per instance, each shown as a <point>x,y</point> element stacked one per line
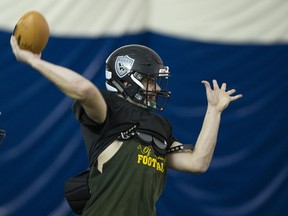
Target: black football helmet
<point>129,70</point>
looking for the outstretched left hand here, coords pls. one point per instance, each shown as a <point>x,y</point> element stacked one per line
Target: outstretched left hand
<point>219,98</point>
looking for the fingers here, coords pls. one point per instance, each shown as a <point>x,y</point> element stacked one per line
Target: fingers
<point>13,41</point>
<point>233,98</point>
<point>215,84</point>
<point>206,83</point>
<point>22,55</point>
<point>230,92</point>
<point>14,45</point>
<point>223,88</point>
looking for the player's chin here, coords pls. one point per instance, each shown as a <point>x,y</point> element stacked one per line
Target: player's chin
<point>152,98</point>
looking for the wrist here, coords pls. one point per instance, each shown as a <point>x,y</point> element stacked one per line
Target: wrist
<point>32,61</point>
<point>213,110</point>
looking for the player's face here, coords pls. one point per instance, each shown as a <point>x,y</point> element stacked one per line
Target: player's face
<point>151,86</point>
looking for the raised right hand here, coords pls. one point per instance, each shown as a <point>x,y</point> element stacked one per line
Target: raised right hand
<point>20,54</point>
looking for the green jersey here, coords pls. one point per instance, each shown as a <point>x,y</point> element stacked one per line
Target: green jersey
<point>131,183</point>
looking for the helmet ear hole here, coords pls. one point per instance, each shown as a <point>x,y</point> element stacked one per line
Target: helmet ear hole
<point>138,76</point>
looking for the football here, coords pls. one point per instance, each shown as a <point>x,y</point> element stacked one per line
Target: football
<point>32,32</point>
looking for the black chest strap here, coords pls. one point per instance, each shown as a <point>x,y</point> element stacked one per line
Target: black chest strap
<point>160,146</point>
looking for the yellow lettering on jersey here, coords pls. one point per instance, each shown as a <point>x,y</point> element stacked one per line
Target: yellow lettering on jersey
<point>145,159</point>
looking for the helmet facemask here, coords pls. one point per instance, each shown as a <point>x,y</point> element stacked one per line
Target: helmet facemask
<point>153,90</point>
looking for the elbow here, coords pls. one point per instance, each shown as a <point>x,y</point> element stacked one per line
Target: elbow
<point>201,162</point>
<point>200,168</point>
<point>92,101</point>
<point>83,90</point>
<point>203,169</point>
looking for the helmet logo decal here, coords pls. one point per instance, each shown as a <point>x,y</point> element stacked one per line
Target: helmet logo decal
<point>123,65</point>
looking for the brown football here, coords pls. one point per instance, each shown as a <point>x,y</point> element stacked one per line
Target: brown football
<point>32,32</point>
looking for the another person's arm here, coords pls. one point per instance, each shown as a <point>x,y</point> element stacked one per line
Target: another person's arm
<point>69,82</point>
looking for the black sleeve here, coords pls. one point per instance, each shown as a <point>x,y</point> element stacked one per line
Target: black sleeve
<point>82,117</point>
<point>90,130</point>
